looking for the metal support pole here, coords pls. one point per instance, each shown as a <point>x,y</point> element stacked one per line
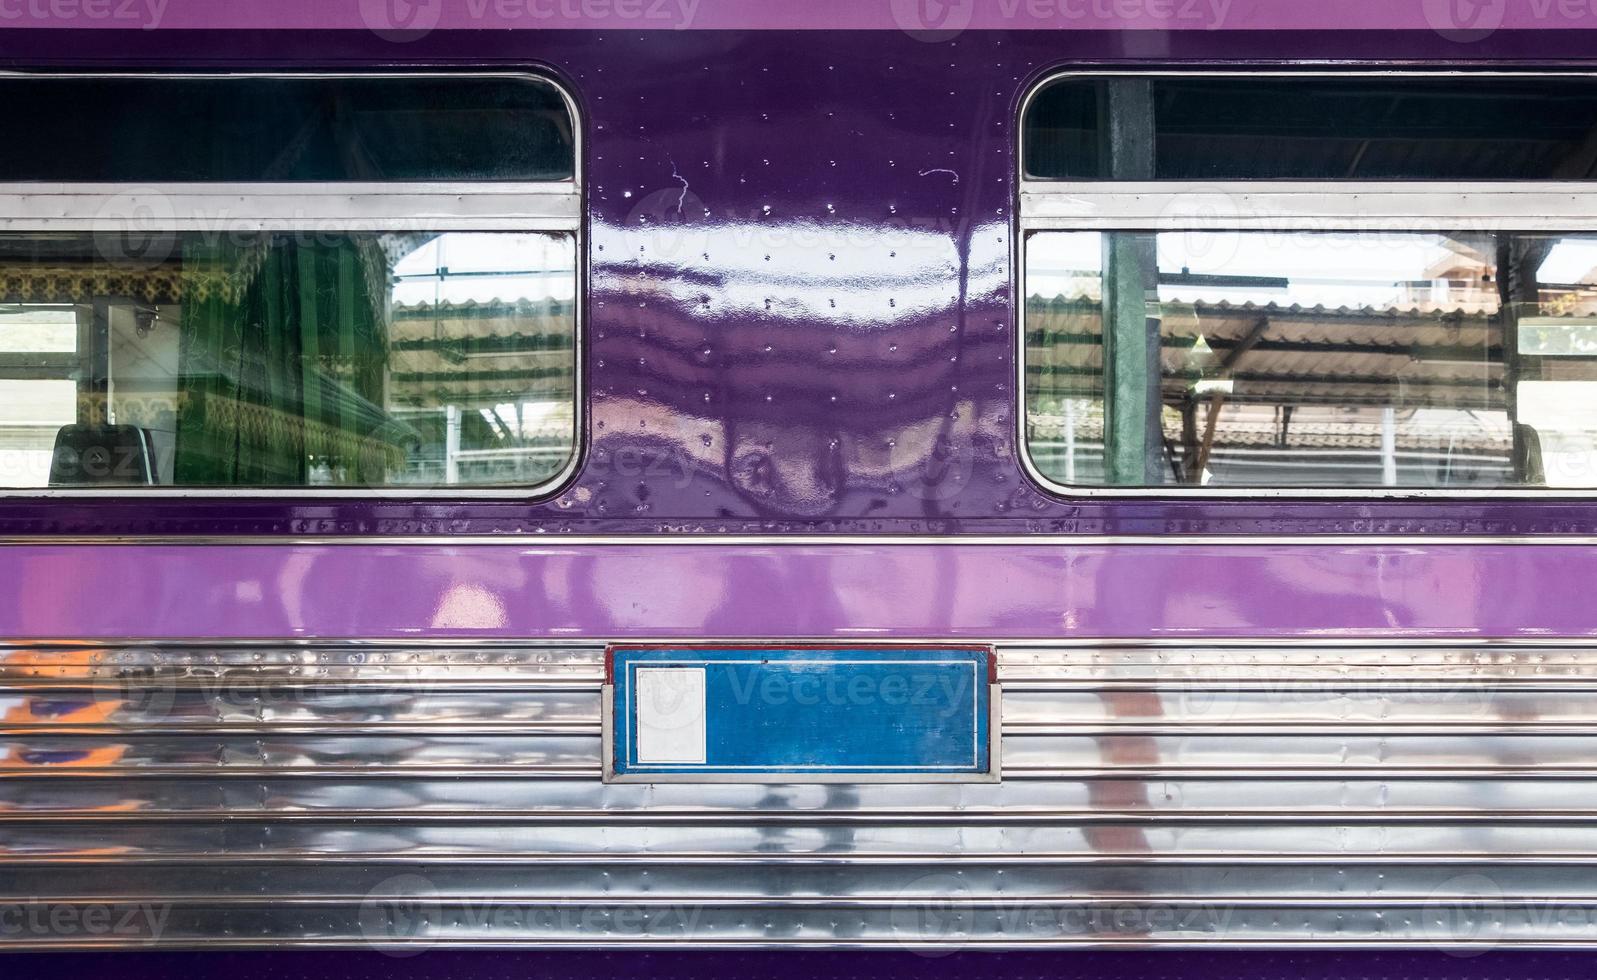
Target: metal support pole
<point>452,444</point>
<point>1133,426</point>
<point>1518,258</point>
<point>1388,446</point>
<point>1070,441</point>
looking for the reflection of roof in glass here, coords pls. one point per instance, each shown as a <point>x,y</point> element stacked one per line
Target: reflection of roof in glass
<point>481,351</point>
<point>1424,355</point>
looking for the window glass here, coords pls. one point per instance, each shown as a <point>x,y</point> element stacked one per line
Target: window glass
<point>1322,128</point>
<point>1312,359</point>
<point>32,411</point>
<point>287,360</point>
<point>31,333</point>
<point>274,129</point>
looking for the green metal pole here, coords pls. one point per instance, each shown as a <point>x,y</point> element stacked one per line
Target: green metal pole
<point>1130,291</point>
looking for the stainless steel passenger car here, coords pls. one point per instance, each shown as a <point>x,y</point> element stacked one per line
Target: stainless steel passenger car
<point>367,374</point>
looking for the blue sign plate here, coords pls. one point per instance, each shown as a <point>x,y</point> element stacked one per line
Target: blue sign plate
<point>806,714</point>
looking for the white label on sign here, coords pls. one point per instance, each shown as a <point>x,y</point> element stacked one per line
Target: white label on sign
<point>670,706</point>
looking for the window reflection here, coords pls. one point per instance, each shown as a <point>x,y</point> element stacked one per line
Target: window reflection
<point>289,360</point>
<point>1293,359</point>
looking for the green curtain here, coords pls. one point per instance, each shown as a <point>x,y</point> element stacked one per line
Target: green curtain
<point>282,359</point>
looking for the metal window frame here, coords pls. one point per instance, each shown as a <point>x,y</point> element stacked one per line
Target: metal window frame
<point>332,207</point>
<point>1386,206</point>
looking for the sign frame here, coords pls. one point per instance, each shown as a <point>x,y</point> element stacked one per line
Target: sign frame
<point>609,707</point>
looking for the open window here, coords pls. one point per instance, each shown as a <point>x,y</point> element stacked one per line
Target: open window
<point>259,284</point>
<point>1311,282</point>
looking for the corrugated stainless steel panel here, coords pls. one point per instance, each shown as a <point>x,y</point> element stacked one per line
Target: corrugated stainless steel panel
<point>303,793</point>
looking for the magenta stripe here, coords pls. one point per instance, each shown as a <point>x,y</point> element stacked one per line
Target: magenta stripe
<point>1466,18</point>
<point>1042,590</point>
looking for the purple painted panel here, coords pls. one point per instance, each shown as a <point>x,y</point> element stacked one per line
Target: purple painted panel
<point>801,313</point>
<point>933,20</point>
<point>583,591</point>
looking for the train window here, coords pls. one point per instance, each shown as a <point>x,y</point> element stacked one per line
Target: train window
<point>287,336</point>
<point>1387,127</point>
<point>1310,333</point>
<point>244,128</point>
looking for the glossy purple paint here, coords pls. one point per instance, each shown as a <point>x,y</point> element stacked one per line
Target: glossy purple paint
<point>585,591</point>
<point>720,15</point>
<point>802,314</point>
<point>801,320</point>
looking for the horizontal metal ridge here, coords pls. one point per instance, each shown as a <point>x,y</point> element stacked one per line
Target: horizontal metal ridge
<point>542,771</point>
<point>1329,684</point>
<point>1373,684</point>
<point>761,942</point>
<point>1446,728</point>
<point>224,771</point>
<point>882,901</point>
<point>552,728</point>
<point>843,859</point>
<point>910,817</point>
<point>1301,772</point>
<point>108,684</point>
<point>590,728</point>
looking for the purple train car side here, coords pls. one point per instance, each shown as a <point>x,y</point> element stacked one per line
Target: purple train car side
<point>704,473</point>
